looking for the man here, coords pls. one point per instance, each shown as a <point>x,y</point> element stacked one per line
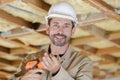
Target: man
<point>60,60</point>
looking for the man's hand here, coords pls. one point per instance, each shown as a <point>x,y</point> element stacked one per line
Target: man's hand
<point>33,75</point>
<point>51,63</point>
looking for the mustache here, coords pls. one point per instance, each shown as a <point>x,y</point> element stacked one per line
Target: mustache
<point>58,34</point>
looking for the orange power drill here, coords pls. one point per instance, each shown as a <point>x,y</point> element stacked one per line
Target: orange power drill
<point>35,64</point>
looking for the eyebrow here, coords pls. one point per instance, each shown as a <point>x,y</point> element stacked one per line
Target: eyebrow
<point>68,24</point>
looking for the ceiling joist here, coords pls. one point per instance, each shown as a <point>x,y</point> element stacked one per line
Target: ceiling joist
<point>8,17</point>
<point>2,2</point>
<point>38,3</point>
<point>91,19</point>
<point>81,41</point>
<point>99,33</point>
<point>17,44</point>
<point>107,50</point>
<point>104,7</point>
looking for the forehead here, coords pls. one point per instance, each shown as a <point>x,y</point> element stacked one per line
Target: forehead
<point>63,20</point>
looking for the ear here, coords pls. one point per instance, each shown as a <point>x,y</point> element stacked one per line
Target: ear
<point>47,29</point>
<point>73,30</point>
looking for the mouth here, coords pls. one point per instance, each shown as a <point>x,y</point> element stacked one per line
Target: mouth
<point>60,37</point>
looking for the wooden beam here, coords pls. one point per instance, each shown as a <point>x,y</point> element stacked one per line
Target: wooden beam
<point>116,41</point>
<point>83,51</point>
<point>104,7</point>
<point>18,32</point>
<point>98,32</point>
<point>3,49</point>
<point>9,57</point>
<point>114,36</point>
<point>87,50</point>
<point>15,20</point>
<point>30,49</point>
<point>18,51</point>
<point>91,18</point>
<point>7,67</point>
<point>4,75</point>
<point>107,50</point>
<point>86,53</point>
<point>5,1</point>
<point>38,3</point>
<point>16,63</point>
<point>81,41</point>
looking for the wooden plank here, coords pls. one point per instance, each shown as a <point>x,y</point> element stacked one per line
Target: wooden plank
<point>7,67</point>
<point>38,3</point>
<point>2,2</point>
<point>9,57</point>
<point>4,49</point>
<point>86,53</point>
<point>81,41</point>
<point>92,18</point>
<point>116,41</point>
<point>104,7</point>
<point>4,75</point>
<point>18,51</point>
<point>98,32</point>
<point>18,32</point>
<point>16,63</point>
<point>15,20</point>
<point>30,49</point>
<point>107,50</point>
<point>114,36</point>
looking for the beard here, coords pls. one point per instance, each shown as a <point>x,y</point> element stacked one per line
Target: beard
<point>59,39</point>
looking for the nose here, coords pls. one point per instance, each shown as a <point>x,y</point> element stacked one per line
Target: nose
<point>60,30</point>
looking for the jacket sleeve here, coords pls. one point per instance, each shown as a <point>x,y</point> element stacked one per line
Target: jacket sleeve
<point>84,72</point>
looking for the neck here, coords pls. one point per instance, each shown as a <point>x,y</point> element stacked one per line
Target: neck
<point>57,50</point>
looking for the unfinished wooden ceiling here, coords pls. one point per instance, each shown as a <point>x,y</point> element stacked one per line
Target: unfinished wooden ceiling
<point>22,32</point>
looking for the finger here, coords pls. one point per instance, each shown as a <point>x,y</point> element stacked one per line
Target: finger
<point>46,63</point>
<point>48,59</point>
<point>54,59</point>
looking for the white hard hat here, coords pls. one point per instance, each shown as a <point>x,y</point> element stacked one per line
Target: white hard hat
<point>62,10</point>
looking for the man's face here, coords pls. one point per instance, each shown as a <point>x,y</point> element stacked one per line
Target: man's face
<point>60,31</point>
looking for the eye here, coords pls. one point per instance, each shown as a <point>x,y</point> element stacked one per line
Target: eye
<point>55,25</point>
<point>66,26</point>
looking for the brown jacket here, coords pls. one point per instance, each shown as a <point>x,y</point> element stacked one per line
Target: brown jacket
<point>75,66</point>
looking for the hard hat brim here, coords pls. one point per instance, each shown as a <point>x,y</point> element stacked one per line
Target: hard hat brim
<point>61,16</point>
